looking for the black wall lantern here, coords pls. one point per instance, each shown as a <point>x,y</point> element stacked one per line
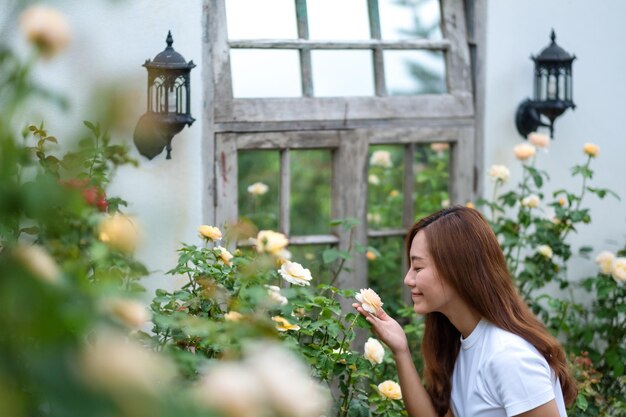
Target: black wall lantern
<point>169,98</point>
<point>552,91</point>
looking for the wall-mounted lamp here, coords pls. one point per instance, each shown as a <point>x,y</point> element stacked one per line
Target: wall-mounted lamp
<point>169,98</point>
<point>552,90</point>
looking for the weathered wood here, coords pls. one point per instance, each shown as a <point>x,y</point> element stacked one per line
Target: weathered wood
<point>462,167</point>
<point>407,186</point>
<point>306,73</point>
<point>380,86</point>
<point>345,108</point>
<point>217,33</point>
<point>387,232</point>
<point>302,240</point>
<point>285,191</point>
<point>458,72</point>
<point>226,210</point>
<point>433,45</point>
<point>478,42</point>
<point>282,140</point>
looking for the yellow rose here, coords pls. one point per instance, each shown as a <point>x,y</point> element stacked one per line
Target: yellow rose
<point>390,390</point>
<point>540,140</point>
<point>38,262</point>
<point>370,301</point>
<point>119,232</point>
<point>371,255</point>
<point>469,204</point>
<point>523,151</point>
<point>562,201</point>
<point>283,325</point>
<point>258,188</point>
<point>373,351</point>
<point>295,273</point>
<point>439,146</point>
<point>591,149</point>
<point>271,242</point>
<point>210,232</point>
<point>224,255</point>
<point>605,261</point>
<point>499,173</point>
<point>394,193</point>
<point>618,269</point>
<point>46,28</point>
<point>233,316</point>
<point>130,312</point>
<point>545,250</point>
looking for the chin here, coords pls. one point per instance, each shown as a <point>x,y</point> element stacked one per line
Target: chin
<point>420,309</point>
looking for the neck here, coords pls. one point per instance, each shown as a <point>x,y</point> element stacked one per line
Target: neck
<point>463,317</point>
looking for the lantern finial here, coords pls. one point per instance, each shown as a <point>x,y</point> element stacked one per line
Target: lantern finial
<point>170,40</point>
<point>553,36</point>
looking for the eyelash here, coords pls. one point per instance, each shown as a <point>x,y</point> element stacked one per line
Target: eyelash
<point>416,269</point>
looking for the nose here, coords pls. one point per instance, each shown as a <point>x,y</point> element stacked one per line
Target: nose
<point>409,279</point>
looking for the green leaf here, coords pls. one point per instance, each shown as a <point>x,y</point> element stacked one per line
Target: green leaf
<point>581,402</point>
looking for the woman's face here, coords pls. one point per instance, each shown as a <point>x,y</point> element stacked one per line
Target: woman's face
<point>428,292</point>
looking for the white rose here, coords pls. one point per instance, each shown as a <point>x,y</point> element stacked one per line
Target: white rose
<point>274,292</point>
<point>224,255</point>
<point>390,390</point>
<point>119,232</point>
<point>499,173</point>
<point>295,273</point>
<point>381,159</point>
<point>370,301</point>
<point>373,351</point>
<point>540,140</point>
<point>605,261</point>
<point>618,269</point>
<point>373,179</point>
<point>258,188</point>
<point>271,242</point>
<point>531,201</point>
<point>210,232</point>
<point>233,316</point>
<point>545,250</point>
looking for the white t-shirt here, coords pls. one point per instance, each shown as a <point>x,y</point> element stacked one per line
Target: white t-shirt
<point>499,374</point>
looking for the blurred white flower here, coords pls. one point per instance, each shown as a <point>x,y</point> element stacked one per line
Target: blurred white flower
<point>439,146</point>
<point>119,231</point>
<point>373,179</point>
<point>531,201</point>
<point>499,173</point>
<point>129,312</point>
<point>274,292</point>
<point>605,261</point>
<point>540,140</point>
<point>295,273</point>
<point>381,159</point>
<point>46,28</point>
<point>233,316</point>
<point>618,269</point>
<point>545,250</point>
<point>524,151</point>
<point>270,242</point>
<point>225,255</point>
<point>373,351</point>
<point>258,188</point>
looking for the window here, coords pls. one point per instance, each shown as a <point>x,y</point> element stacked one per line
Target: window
<point>373,119</point>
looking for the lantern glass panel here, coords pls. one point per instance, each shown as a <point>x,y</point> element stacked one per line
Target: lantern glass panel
<point>158,95</point>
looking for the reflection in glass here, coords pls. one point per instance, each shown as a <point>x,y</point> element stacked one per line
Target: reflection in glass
<point>415,72</point>
<point>265,73</point>
<point>385,179</point>
<point>431,165</point>
<point>328,19</point>
<point>258,187</point>
<point>342,73</point>
<point>385,271</point>
<point>310,192</point>
<point>410,19</point>
<point>267,19</point>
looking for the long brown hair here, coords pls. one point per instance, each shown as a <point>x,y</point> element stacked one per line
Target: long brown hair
<point>466,253</point>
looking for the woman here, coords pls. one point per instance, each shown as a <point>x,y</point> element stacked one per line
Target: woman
<point>485,353</point>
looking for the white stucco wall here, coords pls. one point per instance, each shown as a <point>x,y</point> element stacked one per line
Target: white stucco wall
<point>113,39</point>
<point>592,31</point>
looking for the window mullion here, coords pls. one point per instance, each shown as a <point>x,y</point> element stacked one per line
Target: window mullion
<point>377,53</point>
<point>305,53</point>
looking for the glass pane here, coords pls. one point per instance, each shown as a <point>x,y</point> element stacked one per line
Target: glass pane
<point>342,73</point>
<point>310,192</point>
<point>385,271</point>
<point>265,73</point>
<point>310,256</point>
<point>267,19</point>
<point>410,19</point>
<point>415,72</point>
<point>385,179</point>
<point>431,164</point>
<point>338,20</point>
<point>258,187</point>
